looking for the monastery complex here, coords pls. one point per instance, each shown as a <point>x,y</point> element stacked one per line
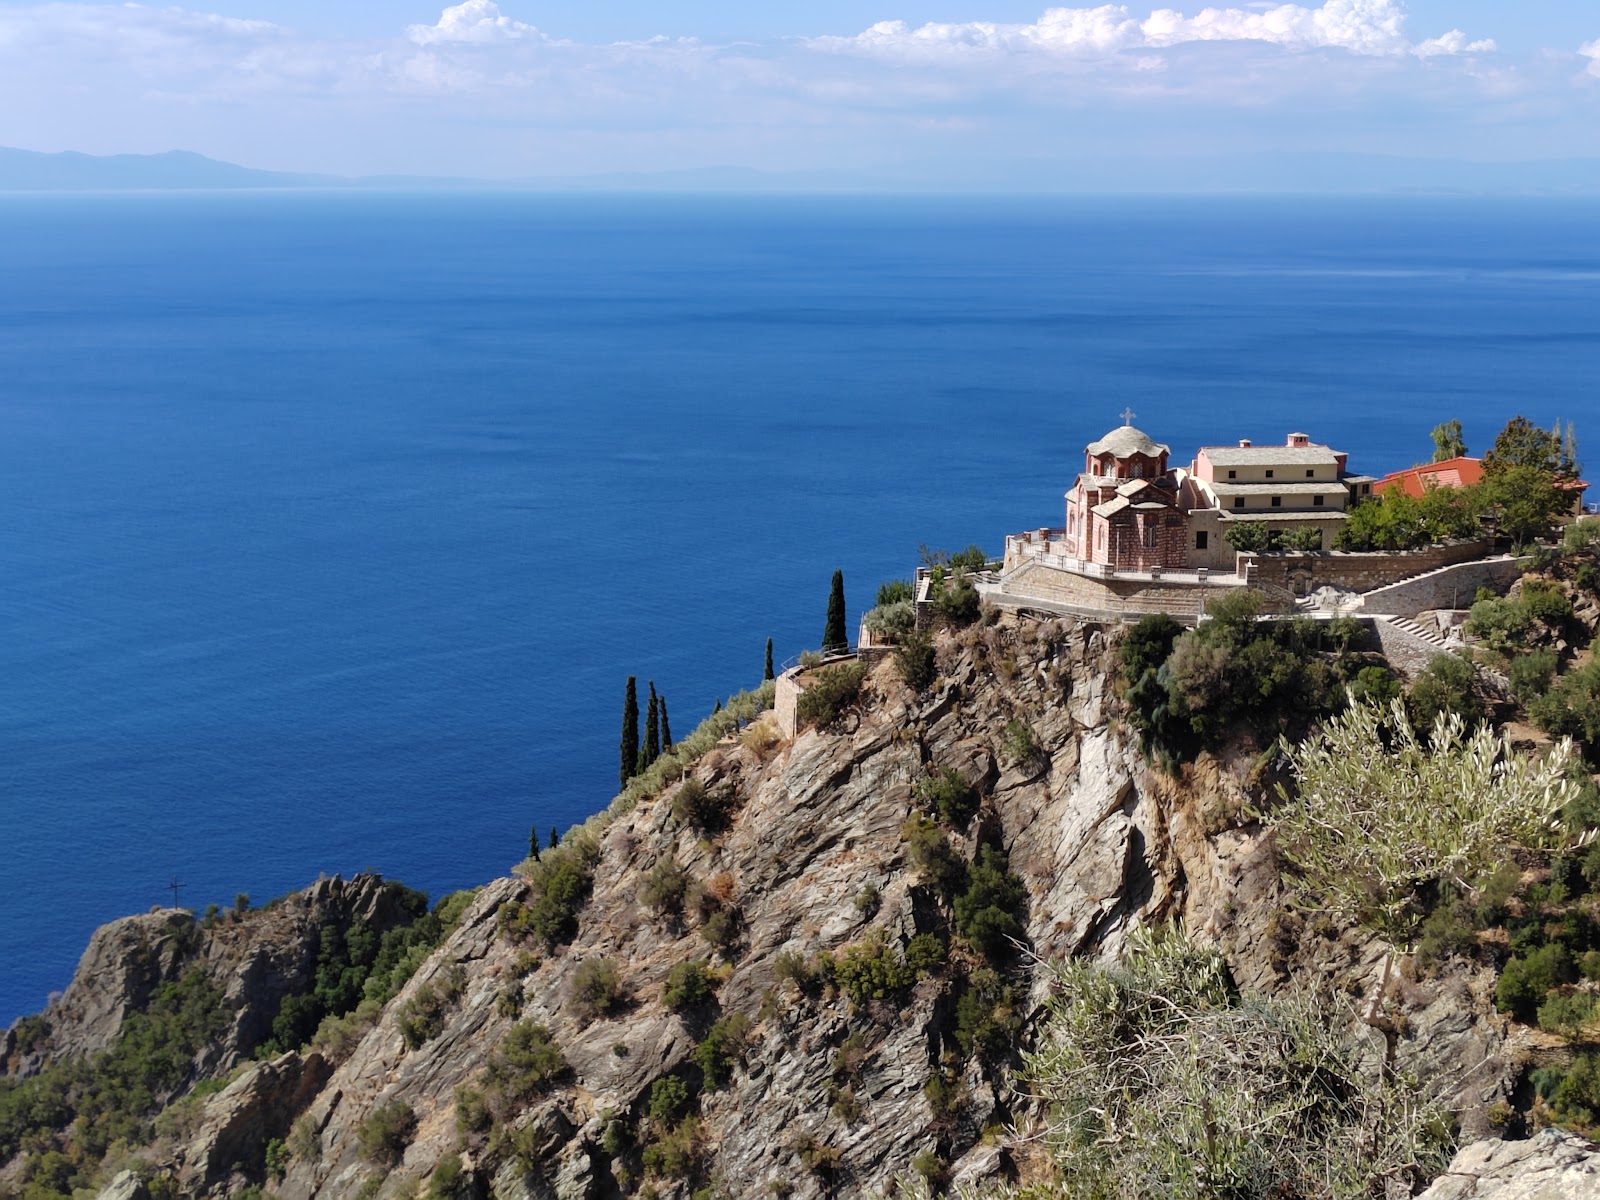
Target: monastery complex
<point>1131,510</point>
<point>1141,535</point>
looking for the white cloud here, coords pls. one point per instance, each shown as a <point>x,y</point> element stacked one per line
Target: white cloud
<point>1367,27</point>
<point>473,21</point>
<point>1591,51</point>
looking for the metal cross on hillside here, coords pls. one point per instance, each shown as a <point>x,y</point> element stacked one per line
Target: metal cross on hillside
<point>1128,415</point>
<point>176,887</point>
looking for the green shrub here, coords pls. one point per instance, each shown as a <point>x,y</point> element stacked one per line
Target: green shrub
<point>872,970</point>
<point>1020,746</point>
<point>720,929</point>
<point>1374,685</point>
<point>930,852</point>
<point>1444,686</point>
<point>1546,602</point>
<point>421,1018</point>
<point>670,1098</point>
<point>676,1154</point>
<point>525,1064</point>
<point>1500,624</point>
<point>1531,674</point>
<point>663,888</point>
<point>868,900</point>
<point>916,661</point>
<point>947,793</point>
<point>930,1167</point>
<point>275,1157</point>
<point>689,986</point>
<point>449,1181</point>
<point>955,601</point>
<point>695,805</point>
<point>791,967</point>
<point>986,913</point>
<point>1146,646</point>
<point>561,882</point>
<point>473,1115</point>
<point>721,1049</point>
<point>1567,1013</point>
<point>891,622</point>
<point>988,1018</point>
<point>926,954</point>
<point>1526,980</point>
<point>1571,708</point>
<point>597,989</point>
<point>386,1132</point>
<point>829,693</point>
<point>896,591</point>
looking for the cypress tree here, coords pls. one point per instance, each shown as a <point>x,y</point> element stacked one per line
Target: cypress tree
<point>652,727</point>
<point>666,728</point>
<point>555,838</point>
<point>717,709</point>
<point>834,637</point>
<point>630,732</point>
<point>769,674</point>
<point>533,842</point>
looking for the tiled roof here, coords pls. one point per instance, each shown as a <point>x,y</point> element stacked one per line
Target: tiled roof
<point>1270,456</point>
<point>1126,441</point>
<point>1452,473</point>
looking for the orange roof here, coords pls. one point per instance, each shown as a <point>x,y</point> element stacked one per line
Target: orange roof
<point>1452,473</point>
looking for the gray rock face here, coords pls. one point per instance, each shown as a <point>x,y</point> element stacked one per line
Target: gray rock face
<point>1551,1166</point>
<point>255,960</point>
<point>829,1098</point>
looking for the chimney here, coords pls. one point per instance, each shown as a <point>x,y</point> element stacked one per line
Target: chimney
<point>1244,443</point>
<point>1299,440</point>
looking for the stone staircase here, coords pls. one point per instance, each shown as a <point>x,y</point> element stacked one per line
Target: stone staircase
<point>1416,629</point>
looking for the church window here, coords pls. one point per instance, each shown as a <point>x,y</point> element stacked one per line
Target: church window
<point>1138,470</point>
<point>1149,537</point>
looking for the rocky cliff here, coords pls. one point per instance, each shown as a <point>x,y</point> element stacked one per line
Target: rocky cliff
<point>818,1085</point>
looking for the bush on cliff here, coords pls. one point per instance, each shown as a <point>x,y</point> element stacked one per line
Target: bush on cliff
<point>561,882</point>
<point>386,1132</point>
<point>525,1065</point>
<point>1379,815</point>
<point>1571,708</point>
<point>1162,1083</point>
<point>829,693</point>
<point>85,1104</point>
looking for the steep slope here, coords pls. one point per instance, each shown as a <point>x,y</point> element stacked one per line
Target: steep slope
<point>837,1052</point>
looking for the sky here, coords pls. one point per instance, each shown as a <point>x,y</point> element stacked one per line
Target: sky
<point>939,92</point>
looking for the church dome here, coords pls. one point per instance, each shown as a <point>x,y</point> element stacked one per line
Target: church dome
<point>1127,441</point>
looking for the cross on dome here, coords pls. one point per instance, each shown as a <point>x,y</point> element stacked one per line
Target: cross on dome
<point>1128,415</point>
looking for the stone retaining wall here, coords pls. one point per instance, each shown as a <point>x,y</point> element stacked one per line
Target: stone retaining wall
<point>1351,571</point>
<point>1452,587</point>
<point>1106,596</point>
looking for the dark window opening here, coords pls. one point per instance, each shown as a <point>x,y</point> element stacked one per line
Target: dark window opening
<point>1269,472</point>
<point>1238,501</point>
<point>1318,501</point>
<point>1201,538</point>
<point>1311,473</point>
<point>1233,474</point>
<point>1277,502</point>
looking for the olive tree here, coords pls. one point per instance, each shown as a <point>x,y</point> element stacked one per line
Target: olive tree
<point>1378,813</point>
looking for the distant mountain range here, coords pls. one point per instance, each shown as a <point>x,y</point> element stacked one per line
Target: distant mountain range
<point>1281,173</point>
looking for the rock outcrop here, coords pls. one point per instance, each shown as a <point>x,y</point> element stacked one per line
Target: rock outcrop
<point>829,1096</point>
<point>1550,1166</point>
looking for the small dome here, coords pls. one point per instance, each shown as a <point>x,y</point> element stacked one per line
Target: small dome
<point>1127,441</point>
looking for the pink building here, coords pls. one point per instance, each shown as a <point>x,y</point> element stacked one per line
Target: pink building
<point>1123,510</point>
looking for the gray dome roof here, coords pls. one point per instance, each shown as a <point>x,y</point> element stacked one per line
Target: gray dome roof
<point>1126,441</point>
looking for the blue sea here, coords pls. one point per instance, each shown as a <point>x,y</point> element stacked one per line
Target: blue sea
<point>331,525</point>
